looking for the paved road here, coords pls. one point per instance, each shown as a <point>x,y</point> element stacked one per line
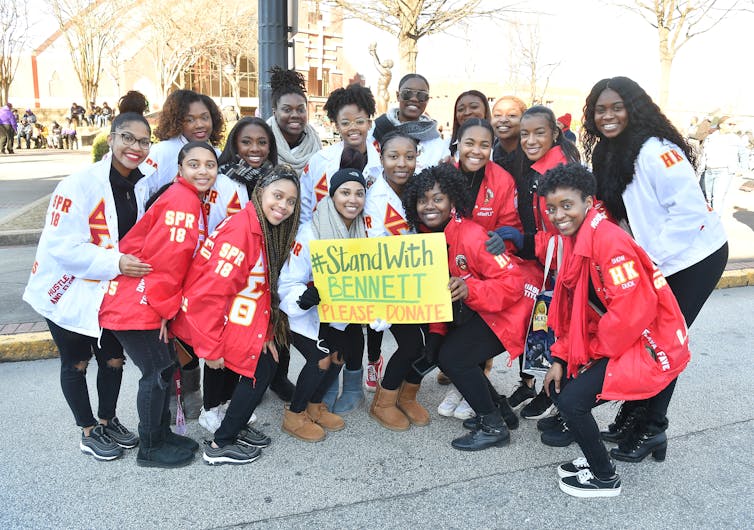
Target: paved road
<point>367,477</point>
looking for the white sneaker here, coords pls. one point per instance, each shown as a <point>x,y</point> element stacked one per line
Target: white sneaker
<point>449,404</point>
<point>224,409</point>
<point>464,411</point>
<point>212,418</point>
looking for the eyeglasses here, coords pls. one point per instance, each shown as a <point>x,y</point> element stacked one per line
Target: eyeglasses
<point>358,122</point>
<point>408,94</point>
<point>129,139</point>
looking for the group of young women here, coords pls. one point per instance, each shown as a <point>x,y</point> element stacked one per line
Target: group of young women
<point>216,266</point>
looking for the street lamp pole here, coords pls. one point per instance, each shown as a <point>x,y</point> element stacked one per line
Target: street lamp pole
<point>273,48</point>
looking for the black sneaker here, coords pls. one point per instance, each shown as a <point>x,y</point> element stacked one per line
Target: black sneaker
<point>120,435</point>
<point>539,407</point>
<point>558,437</point>
<point>549,423</point>
<point>522,395</point>
<point>252,437</point>
<point>571,469</point>
<point>230,454</point>
<point>586,485</point>
<point>100,445</point>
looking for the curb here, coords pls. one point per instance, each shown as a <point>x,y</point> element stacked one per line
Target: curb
<point>36,346</point>
<point>14,238</point>
<point>27,347</point>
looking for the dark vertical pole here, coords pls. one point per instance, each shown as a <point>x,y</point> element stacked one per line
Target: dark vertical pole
<point>273,48</point>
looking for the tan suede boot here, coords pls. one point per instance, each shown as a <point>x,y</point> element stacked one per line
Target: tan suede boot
<point>383,410</point>
<point>324,418</point>
<point>300,425</point>
<point>415,413</point>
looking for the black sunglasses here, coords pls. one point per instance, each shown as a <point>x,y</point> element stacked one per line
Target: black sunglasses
<point>408,94</point>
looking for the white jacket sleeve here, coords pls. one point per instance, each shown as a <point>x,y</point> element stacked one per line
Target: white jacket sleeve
<point>296,274</point>
<point>374,210</point>
<point>308,199</point>
<point>69,240</point>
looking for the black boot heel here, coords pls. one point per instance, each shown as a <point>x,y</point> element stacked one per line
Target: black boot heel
<point>659,453</point>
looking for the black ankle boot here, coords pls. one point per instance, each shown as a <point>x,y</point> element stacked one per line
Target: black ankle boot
<point>625,422</point>
<point>510,417</point>
<point>491,432</point>
<point>637,446</point>
<point>154,451</point>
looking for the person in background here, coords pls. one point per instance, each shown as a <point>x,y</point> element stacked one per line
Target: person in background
<point>8,126</point>
<point>647,183</point>
<point>410,118</point>
<point>564,124</point>
<point>297,141</point>
<point>724,158</point>
<point>70,138</point>
<point>469,104</point>
<point>604,348</point>
<point>55,139</point>
<point>89,213</point>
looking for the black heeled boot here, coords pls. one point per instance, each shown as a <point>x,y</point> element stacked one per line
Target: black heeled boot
<point>639,444</point>
<point>625,421</point>
<point>280,383</point>
<point>491,432</point>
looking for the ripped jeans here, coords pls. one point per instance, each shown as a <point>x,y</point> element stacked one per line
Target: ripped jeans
<point>76,351</point>
<point>156,360</point>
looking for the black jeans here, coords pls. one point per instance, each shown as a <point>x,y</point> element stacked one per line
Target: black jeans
<point>374,345</point>
<point>75,352</point>
<point>157,362</point>
<point>349,343</point>
<point>577,398</point>
<point>691,287</point>
<point>246,398</point>
<point>410,339</point>
<point>218,386</point>
<point>462,355</point>
<point>6,137</point>
<point>313,381</point>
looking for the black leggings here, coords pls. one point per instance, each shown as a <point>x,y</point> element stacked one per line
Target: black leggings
<point>349,343</point>
<point>691,287</point>
<point>374,345</point>
<point>462,355</point>
<point>75,352</point>
<point>577,398</point>
<point>313,381</point>
<point>410,339</point>
<point>246,397</point>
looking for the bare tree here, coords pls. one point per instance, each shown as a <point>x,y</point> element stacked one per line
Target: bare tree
<point>528,61</point>
<point>410,20</point>
<point>14,35</point>
<point>90,29</point>
<point>677,22</point>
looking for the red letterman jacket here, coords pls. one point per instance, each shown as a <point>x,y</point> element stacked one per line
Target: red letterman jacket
<point>501,288</point>
<point>226,295</point>
<point>166,238</point>
<point>643,331</point>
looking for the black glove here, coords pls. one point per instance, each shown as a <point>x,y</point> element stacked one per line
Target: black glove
<point>495,244</point>
<point>432,347</point>
<point>308,298</point>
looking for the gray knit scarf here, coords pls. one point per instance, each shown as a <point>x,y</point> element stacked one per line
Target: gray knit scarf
<point>421,130</point>
<point>299,155</point>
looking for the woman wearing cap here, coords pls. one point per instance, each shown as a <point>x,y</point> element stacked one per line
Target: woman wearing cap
<point>326,347</point>
<point>230,312</point>
<point>564,124</point>
<point>647,182</point>
<point>409,118</point>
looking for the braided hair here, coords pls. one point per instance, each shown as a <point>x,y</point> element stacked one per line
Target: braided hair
<point>278,240</point>
<point>353,94</point>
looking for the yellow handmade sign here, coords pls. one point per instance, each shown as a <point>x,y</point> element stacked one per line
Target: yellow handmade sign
<point>400,279</point>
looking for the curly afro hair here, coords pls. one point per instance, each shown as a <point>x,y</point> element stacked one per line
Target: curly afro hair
<point>572,175</point>
<point>175,110</point>
<point>285,82</point>
<point>613,158</point>
<point>354,94</point>
<point>231,148</point>
<point>452,183</point>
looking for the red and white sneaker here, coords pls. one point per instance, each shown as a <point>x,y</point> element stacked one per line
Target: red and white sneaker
<point>374,374</point>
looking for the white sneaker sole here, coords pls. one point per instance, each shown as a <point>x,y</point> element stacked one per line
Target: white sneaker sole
<point>448,413</point>
<point>220,460</point>
<point>588,493</point>
<point>89,451</point>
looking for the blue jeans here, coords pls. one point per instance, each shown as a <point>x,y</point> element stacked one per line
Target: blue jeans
<point>156,360</point>
<point>717,183</point>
